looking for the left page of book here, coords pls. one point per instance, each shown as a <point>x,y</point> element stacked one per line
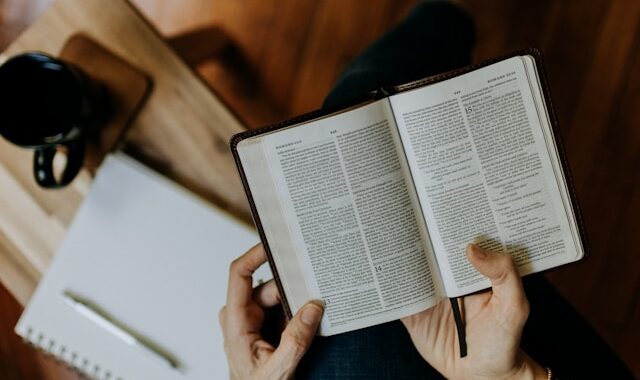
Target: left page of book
<point>340,218</point>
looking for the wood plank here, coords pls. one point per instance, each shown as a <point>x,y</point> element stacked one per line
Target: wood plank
<point>247,85</point>
<point>605,288</point>
<point>19,361</point>
<point>569,53</point>
<point>288,37</point>
<point>568,58</point>
<point>16,362</point>
<point>492,27</point>
<point>16,15</point>
<point>399,10</point>
<point>604,79</point>
<point>355,26</point>
<point>172,17</point>
<point>585,146</point>
<point>250,23</point>
<point>240,89</point>
<point>17,272</point>
<point>259,31</point>
<point>621,185</point>
<point>60,205</point>
<point>503,26</point>
<point>530,24</point>
<point>31,230</point>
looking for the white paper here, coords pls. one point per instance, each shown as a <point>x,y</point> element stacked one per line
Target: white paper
<point>156,258</point>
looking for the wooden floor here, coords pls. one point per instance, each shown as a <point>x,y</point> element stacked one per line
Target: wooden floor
<point>298,48</point>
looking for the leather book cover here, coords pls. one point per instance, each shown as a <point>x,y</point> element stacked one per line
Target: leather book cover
<point>389,91</point>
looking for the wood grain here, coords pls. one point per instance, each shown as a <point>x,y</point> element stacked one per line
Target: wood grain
<point>19,361</point>
<point>591,53</point>
<point>297,48</point>
<point>182,130</point>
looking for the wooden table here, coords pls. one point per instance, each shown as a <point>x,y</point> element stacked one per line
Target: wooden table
<point>183,131</point>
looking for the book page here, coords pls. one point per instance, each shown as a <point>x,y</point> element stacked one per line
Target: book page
<point>350,218</point>
<point>552,147</point>
<point>476,147</point>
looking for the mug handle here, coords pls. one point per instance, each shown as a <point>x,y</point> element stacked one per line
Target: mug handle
<point>43,164</point>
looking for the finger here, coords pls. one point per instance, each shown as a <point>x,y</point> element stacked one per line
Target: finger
<point>501,271</point>
<point>240,289</point>
<point>267,295</point>
<point>297,336</point>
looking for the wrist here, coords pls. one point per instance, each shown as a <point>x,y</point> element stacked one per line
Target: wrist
<point>529,370</point>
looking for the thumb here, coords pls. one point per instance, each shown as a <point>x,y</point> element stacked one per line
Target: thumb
<point>501,271</point>
<point>297,336</point>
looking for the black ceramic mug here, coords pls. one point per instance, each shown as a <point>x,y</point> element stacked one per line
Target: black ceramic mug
<point>50,106</point>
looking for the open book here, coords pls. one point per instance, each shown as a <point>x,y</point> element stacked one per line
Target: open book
<point>370,208</point>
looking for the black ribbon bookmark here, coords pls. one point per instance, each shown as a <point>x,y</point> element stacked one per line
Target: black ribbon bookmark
<point>457,316</point>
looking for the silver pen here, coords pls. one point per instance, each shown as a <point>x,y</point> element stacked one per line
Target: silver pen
<point>110,324</point>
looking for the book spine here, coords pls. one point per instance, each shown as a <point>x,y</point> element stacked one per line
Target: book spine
<point>382,92</point>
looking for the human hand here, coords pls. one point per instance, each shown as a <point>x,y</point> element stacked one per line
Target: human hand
<point>494,321</point>
<point>248,354</point>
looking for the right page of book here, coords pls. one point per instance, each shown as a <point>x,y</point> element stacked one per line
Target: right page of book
<point>486,169</point>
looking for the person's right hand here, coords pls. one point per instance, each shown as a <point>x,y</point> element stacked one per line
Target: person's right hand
<point>494,322</point>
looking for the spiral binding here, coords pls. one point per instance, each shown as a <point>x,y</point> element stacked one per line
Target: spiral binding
<point>69,358</point>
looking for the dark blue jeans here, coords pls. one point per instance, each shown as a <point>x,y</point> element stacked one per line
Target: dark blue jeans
<point>437,37</point>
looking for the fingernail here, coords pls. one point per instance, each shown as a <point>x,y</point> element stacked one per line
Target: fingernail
<point>478,252</point>
<point>312,313</point>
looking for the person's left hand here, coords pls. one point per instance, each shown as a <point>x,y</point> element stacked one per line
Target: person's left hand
<point>248,354</point>
<point>494,322</point>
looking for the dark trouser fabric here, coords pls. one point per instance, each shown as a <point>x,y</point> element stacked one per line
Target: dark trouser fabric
<point>437,37</point>
<point>434,38</point>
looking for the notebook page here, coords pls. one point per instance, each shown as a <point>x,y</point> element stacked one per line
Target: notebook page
<point>156,258</point>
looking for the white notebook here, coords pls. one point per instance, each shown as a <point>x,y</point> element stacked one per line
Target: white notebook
<point>154,257</point>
